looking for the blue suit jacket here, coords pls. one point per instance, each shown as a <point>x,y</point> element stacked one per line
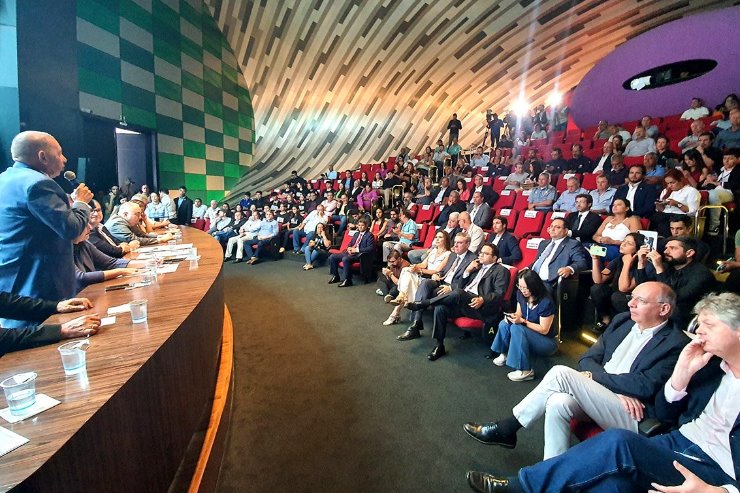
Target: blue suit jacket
<point>366,245</point>
<point>570,253</point>
<point>36,233</point>
<point>645,197</point>
<point>650,370</point>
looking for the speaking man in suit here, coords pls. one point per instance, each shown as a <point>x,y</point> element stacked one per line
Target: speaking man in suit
<point>561,256</point>
<point>441,283</point>
<point>702,455</point>
<point>38,223</point>
<point>363,242</point>
<point>509,252</point>
<point>480,212</point>
<point>583,223</point>
<point>641,195</point>
<point>616,381</point>
<point>184,207</point>
<point>480,295</point>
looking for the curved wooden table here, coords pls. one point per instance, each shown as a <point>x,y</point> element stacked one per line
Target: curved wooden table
<point>126,424</point>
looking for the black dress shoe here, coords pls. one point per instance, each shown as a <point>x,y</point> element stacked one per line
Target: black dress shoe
<point>238,261</point>
<point>415,306</point>
<point>436,353</point>
<point>345,284</point>
<point>411,333</point>
<point>490,434</point>
<point>487,483</point>
<point>334,280</point>
<point>417,325</point>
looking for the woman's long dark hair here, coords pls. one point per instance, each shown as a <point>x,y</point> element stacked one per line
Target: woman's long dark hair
<point>536,286</point>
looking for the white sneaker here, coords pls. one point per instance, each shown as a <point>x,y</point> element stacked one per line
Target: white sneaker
<point>379,292</point>
<point>500,360</point>
<point>521,375</point>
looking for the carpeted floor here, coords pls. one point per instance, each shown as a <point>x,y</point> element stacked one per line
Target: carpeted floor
<point>327,400</point>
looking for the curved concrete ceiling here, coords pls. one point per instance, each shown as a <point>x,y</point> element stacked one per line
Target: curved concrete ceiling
<point>352,81</point>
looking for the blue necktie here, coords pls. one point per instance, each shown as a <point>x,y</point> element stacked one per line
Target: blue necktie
<point>541,260</point>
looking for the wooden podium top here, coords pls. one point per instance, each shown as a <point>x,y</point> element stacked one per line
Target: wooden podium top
<point>134,410</point>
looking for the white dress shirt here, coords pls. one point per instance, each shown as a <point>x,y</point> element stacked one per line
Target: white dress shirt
<point>626,353</point>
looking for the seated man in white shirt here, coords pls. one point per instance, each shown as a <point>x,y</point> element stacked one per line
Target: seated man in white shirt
<point>640,145</point>
<point>701,395</point>
<point>696,111</point>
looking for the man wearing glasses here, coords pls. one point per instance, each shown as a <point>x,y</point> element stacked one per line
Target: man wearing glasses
<point>123,226</point>
<point>616,381</point>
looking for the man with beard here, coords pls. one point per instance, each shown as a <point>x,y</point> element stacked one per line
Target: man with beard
<point>641,195</point>
<point>679,269</point>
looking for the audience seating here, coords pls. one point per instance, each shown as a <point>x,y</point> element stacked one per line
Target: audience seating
<point>522,200</point>
<point>548,220</point>
<point>529,223</point>
<point>345,242</point>
<point>528,247</point>
<point>510,215</point>
<point>506,199</point>
<point>425,213</point>
<point>589,181</point>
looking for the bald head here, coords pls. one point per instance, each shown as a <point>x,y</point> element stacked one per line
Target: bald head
<point>39,150</point>
<point>464,220</point>
<point>131,212</point>
<point>652,304</point>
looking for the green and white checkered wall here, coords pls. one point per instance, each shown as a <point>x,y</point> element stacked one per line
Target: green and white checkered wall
<point>165,65</point>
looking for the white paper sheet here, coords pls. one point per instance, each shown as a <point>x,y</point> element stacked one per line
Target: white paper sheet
<point>10,441</point>
<point>116,310</point>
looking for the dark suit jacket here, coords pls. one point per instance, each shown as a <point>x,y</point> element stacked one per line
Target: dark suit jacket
<point>701,388</point>
<point>645,197</point>
<point>366,245</point>
<point>508,248</point>
<point>650,370</point>
<point>18,307</point>
<point>458,277</point>
<point>436,190</point>
<point>492,288</point>
<point>489,195</point>
<point>484,216</point>
<point>184,207</point>
<point>449,209</point>
<point>570,253</point>
<point>590,225</point>
<point>97,238</point>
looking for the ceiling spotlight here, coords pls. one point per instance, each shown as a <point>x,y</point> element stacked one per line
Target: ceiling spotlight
<point>520,107</point>
<point>554,99</point>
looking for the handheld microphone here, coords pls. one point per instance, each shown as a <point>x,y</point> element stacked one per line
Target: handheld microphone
<point>71,177</point>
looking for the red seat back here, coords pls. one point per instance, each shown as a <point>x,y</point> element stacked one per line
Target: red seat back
<point>589,181</point>
<point>529,223</point>
<point>425,213</point>
<point>522,200</point>
<point>548,220</point>
<point>529,251</point>
<point>506,199</point>
<point>510,215</point>
<point>345,242</point>
<point>513,271</point>
<point>499,184</point>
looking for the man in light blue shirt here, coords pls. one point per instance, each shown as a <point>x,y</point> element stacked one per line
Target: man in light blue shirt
<point>268,230</point>
<point>567,200</point>
<point>407,233</point>
<point>654,173</point>
<point>602,196</point>
<point>542,197</point>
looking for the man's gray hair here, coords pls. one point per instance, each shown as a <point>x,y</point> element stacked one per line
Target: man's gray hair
<point>724,306</point>
<point>463,236</point>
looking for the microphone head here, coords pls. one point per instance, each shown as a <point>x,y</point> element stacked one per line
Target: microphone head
<point>70,175</point>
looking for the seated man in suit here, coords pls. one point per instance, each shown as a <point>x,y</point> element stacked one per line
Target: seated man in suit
<point>124,226</point>
<point>509,252</point>
<point>480,295</point>
<point>616,381</point>
<point>489,194</point>
<point>363,242</point>
<point>561,256</point>
<point>583,223</point>
<point>641,195</point>
<point>480,211</point>
<point>103,239</point>
<point>700,456</point>
<point>442,283</point>
<point>452,204</point>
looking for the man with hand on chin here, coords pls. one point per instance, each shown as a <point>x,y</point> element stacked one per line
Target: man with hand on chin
<point>702,395</point>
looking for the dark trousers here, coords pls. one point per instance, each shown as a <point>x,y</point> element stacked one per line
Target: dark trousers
<point>427,290</point>
<point>284,238</point>
<point>620,461</point>
<point>386,286</point>
<point>346,259</point>
<point>607,300</point>
<point>453,305</point>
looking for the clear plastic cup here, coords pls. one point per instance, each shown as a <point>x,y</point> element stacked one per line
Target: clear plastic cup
<point>138,311</point>
<point>74,356</point>
<point>20,391</point>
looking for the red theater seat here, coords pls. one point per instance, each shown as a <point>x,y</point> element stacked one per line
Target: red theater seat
<point>529,223</point>
<point>506,199</point>
<point>529,251</point>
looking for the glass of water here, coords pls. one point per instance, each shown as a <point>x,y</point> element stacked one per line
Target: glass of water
<point>20,391</point>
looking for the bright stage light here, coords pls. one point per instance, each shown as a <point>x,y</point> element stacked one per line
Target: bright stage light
<point>520,107</point>
<point>554,99</point>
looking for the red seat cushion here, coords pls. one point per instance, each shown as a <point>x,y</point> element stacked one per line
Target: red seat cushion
<point>583,430</point>
<point>466,323</point>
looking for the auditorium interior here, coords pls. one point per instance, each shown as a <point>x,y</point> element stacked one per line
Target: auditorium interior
<point>428,170</point>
